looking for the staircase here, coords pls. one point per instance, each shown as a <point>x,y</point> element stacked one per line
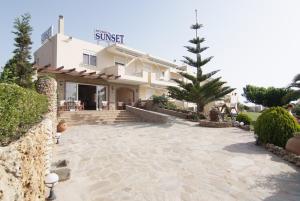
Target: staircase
<point>97,117</point>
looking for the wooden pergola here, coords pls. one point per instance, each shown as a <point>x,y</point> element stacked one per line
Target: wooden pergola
<point>75,72</point>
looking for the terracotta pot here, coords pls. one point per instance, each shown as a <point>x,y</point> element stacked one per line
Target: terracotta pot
<point>61,127</point>
<point>293,145</point>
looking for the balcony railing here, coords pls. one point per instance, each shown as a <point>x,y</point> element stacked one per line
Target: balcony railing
<point>159,80</point>
<point>125,74</point>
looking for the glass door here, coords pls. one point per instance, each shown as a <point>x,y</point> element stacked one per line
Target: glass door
<point>101,95</point>
<point>71,93</point>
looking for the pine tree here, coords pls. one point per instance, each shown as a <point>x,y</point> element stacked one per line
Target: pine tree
<point>202,88</point>
<point>19,69</point>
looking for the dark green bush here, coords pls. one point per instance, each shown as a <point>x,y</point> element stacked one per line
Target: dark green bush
<point>170,106</point>
<point>242,117</point>
<point>20,108</point>
<point>275,125</point>
<point>160,101</point>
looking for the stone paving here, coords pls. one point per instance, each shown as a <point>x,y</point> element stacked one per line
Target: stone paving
<point>179,161</point>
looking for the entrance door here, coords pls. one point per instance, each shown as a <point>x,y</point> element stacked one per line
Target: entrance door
<point>124,96</point>
<point>87,95</point>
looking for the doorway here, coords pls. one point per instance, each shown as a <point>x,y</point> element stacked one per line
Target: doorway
<point>124,96</point>
<point>87,96</point>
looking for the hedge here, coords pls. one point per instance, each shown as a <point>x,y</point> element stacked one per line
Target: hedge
<point>275,125</point>
<point>20,108</point>
<point>242,117</point>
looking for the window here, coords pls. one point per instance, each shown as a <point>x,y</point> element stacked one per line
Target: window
<point>89,59</point>
<point>93,60</point>
<point>86,59</point>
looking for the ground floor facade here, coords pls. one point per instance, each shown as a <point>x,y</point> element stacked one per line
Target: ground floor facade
<point>97,94</point>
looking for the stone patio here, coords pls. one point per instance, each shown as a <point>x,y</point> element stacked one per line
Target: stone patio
<point>179,161</point>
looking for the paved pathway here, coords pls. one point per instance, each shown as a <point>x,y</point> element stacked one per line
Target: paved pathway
<point>174,162</point>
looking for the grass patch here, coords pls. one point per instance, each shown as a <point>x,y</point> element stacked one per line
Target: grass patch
<point>253,115</point>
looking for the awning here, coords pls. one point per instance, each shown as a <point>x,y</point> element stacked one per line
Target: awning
<point>77,72</point>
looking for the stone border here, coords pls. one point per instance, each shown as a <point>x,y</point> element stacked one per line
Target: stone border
<point>213,124</point>
<point>284,154</point>
<point>148,116</point>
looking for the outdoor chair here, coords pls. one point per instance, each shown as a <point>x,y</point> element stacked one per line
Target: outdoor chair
<point>105,105</point>
<point>79,106</point>
<point>120,105</point>
<point>62,105</point>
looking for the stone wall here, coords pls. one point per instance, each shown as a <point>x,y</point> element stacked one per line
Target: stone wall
<point>170,112</point>
<point>24,164</point>
<point>284,154</point>
<point>148,116</point>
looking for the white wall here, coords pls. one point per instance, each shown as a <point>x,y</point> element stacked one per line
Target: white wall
<point>46,54</point>
<point>70,51</point>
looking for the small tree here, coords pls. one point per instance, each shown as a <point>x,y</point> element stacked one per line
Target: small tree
<point>19,69</point>
<point>268,97</point>
<point>202,88</point>
<point>296,85</point>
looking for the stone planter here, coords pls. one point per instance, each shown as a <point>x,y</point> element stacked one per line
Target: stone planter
<point>214,124</point>
<point>293,145</point>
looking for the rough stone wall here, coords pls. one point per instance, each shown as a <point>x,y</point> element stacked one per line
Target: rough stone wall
<point>48,87</point>
<point>24,164</point>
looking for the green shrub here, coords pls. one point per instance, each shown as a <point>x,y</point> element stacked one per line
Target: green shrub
<point>242,117</point>
<point>19,109</point>
<point>170,106</point>
<point>275,125</point>
<point>160,101</point>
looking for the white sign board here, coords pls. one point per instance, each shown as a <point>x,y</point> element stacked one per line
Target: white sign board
<point>47,34</point>
<point>100,35</point>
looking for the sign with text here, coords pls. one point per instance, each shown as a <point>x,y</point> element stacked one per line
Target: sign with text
<point>47,34</point>
<point>100,35</point>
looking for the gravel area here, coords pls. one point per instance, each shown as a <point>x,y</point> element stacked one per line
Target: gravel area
<point>179,161</point>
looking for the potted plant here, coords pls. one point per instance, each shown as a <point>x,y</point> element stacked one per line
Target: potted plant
<point>61,126</point>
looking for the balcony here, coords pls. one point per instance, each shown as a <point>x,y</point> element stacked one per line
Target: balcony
<point>127,76</point>
<point>161,81</point>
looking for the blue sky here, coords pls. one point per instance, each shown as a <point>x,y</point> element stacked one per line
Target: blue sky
<point>253,42</point>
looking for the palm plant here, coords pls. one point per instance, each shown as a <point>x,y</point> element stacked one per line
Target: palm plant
<point>202,88</point>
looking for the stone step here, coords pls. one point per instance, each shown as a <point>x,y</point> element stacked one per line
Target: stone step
<point>74,123</point>
<point>87,119</point>
<point>97,117</point>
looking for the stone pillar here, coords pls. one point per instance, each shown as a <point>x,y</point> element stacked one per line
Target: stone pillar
<point>48,87</point>
<point>112,97</point>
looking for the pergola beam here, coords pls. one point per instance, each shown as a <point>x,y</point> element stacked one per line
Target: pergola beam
<point>74,72</point>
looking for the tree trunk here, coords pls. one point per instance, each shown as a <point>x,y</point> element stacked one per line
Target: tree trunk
<point>200,108</point>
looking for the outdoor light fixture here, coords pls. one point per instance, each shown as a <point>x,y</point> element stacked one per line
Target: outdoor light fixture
<point>57,137</point>
<point>51,180</point>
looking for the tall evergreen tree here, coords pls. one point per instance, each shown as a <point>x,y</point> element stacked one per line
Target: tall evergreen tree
<point>19,69</point>
<point>202,88</point>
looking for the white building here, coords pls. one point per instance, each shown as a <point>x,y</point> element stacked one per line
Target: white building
<point>114,75</point>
